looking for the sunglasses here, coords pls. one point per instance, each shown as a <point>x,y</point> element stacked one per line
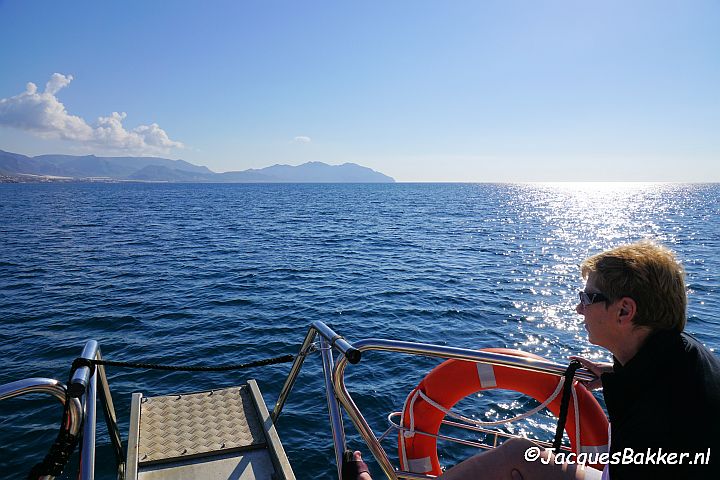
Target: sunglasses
<point>590,298</point>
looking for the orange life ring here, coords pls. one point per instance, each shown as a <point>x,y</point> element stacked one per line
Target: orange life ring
<point>453,380</point>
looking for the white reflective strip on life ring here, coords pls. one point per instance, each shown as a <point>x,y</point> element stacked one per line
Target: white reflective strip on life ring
<point>486,375</point>
<point>593,449</point>
<point>419,465</point>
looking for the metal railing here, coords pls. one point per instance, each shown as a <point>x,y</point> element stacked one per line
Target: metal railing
<point>338,397</point>
<point>338,342</point>
<point>84,383</point>
<point>82,394</point>
<point>438,351</point>
<point>50,387</point>
<point>329,340</point>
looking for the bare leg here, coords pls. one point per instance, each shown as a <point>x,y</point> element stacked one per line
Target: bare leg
<point>507,462</point>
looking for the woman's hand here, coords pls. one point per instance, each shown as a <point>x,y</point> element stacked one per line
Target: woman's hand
<point>597,368</point>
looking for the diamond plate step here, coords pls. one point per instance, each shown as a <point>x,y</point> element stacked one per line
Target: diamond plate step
<point>176,427</point>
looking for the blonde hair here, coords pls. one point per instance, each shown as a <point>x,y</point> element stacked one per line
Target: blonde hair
<point>649,274</point>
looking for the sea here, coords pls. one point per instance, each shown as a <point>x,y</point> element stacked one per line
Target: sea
<point>217,274</point>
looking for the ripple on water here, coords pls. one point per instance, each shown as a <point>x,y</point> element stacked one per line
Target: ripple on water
<point>233,273</point>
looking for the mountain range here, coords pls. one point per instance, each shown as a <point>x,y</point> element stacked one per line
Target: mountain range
<point>154,169</point>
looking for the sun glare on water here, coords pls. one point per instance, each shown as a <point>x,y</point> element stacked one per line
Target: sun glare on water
<point>566,223</point>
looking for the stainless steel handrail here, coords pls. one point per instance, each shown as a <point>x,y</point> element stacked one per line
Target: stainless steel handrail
<point>442,351</point>
<point>87,452</point>
<point>350,353</point>
<point>82,393</point>
<point>84,385</point>
<point>438,351</point>
<point>80,378</point>
<point>51,387</point>
<point>335,415</point>
<point>47,386</point>
<point>84,382</point>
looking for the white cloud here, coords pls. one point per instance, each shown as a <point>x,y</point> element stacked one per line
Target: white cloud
<point>302,139</point>
<point>44,115</point>
<point>57,82</point>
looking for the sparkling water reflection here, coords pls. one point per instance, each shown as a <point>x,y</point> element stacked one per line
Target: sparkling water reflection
<point>233,273</point>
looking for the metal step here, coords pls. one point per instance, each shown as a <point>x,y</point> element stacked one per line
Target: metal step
<point>219,434</point>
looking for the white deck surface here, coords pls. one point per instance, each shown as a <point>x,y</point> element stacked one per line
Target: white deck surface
<point>249,465</point>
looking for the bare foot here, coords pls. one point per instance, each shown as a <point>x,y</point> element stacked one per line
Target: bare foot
<point>365,475</point>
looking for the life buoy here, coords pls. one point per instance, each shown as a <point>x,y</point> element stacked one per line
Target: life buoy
<point>453,380</point>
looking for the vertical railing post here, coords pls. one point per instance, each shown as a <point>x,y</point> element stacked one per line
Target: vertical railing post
<point>359,421</point>
<point>336,421</point>
<point>87,454</point>
<point>81,377</point>
<point>84,382</point>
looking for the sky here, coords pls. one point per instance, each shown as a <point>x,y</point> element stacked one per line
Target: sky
<point>423,91</point>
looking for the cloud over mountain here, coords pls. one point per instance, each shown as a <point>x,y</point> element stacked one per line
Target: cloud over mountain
<point>44,115</point>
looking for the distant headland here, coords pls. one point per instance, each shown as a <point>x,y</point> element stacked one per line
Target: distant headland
<point>15,167</point>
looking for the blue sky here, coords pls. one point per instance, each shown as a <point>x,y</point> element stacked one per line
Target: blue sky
<point>420,90</point>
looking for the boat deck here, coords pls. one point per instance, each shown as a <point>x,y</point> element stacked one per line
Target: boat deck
<point>217,434</point>
<point>228,433</point>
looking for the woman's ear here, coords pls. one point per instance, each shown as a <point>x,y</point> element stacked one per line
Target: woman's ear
<point>627,310</point>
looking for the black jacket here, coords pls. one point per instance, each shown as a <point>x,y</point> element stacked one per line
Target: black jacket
<point>666,399</point>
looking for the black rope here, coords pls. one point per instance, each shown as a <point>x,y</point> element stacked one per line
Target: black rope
<point>64,445</point>
<point>82,362</point>
<point>193,368</point>
<point>565,403</point>
<point>58,456</point>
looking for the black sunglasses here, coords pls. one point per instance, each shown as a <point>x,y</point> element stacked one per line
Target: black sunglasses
<point>590,298</point>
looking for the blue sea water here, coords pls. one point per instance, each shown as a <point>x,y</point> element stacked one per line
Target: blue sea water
<point>218,274</point>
